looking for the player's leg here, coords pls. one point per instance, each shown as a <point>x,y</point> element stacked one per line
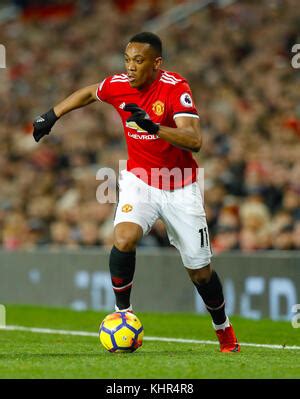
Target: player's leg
<point>186,225</point>
<point>122,261</point>
<point>135,214</point>
<point>209,287</point>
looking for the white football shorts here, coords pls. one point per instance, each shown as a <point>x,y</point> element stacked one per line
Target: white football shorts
<point>181,210</point>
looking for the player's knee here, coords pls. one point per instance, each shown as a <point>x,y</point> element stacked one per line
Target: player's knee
<point>200,276</point>
<point>125,241</point>
<point>126,236</point>
<point>125,244</point>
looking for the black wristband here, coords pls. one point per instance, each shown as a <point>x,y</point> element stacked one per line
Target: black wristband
<point>52,115</point>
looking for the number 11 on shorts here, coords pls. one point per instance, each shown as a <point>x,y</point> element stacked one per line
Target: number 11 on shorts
<point>204,237</point>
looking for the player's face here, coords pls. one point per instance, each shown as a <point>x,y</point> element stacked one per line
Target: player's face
<point>141,64</point>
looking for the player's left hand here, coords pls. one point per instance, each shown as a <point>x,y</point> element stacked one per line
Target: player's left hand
<point>43,124</point>
<point>141,118</point>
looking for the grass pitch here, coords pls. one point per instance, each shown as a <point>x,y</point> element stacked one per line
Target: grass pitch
<point>25,354</point>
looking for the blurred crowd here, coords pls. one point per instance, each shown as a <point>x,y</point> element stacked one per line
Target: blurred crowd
<point>238,62</point>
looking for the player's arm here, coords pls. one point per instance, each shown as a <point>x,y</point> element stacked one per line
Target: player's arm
<point>78,99</point>
<point>43,124</point>
<point>186,135</point>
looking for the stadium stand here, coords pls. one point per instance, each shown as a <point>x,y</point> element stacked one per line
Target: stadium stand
<point>238,62</point>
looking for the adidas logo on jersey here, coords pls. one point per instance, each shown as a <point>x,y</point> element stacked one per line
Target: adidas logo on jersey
<point>122,105</point>
<point>123,78</point>
<point>170,79</point>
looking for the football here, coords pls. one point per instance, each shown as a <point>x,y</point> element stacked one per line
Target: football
<point>121,332</point>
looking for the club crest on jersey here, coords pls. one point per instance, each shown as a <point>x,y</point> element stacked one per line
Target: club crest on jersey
<point>158,108</point>
<point>134,126</point>
<point>186,100</point>
<point>127,208</point>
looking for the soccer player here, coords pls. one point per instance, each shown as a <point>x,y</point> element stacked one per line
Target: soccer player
<point>162,129</point>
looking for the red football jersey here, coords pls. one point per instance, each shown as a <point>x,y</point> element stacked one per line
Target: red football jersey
<point>154,160</point>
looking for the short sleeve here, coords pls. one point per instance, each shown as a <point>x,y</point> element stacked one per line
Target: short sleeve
<point>102,92</point>
<point>182,102</point>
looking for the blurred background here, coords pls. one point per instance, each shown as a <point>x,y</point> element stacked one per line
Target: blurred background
<point>237,58</point>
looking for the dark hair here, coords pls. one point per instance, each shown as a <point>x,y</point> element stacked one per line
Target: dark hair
<point>150,38</point>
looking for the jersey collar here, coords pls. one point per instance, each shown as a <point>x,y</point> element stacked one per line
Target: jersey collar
<point>154,83</point>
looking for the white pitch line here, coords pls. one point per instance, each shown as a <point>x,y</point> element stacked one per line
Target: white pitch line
<point>50,331</point>
<point>160,339</point>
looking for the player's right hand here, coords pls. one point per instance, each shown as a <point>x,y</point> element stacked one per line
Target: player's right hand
<point>42,125</point>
